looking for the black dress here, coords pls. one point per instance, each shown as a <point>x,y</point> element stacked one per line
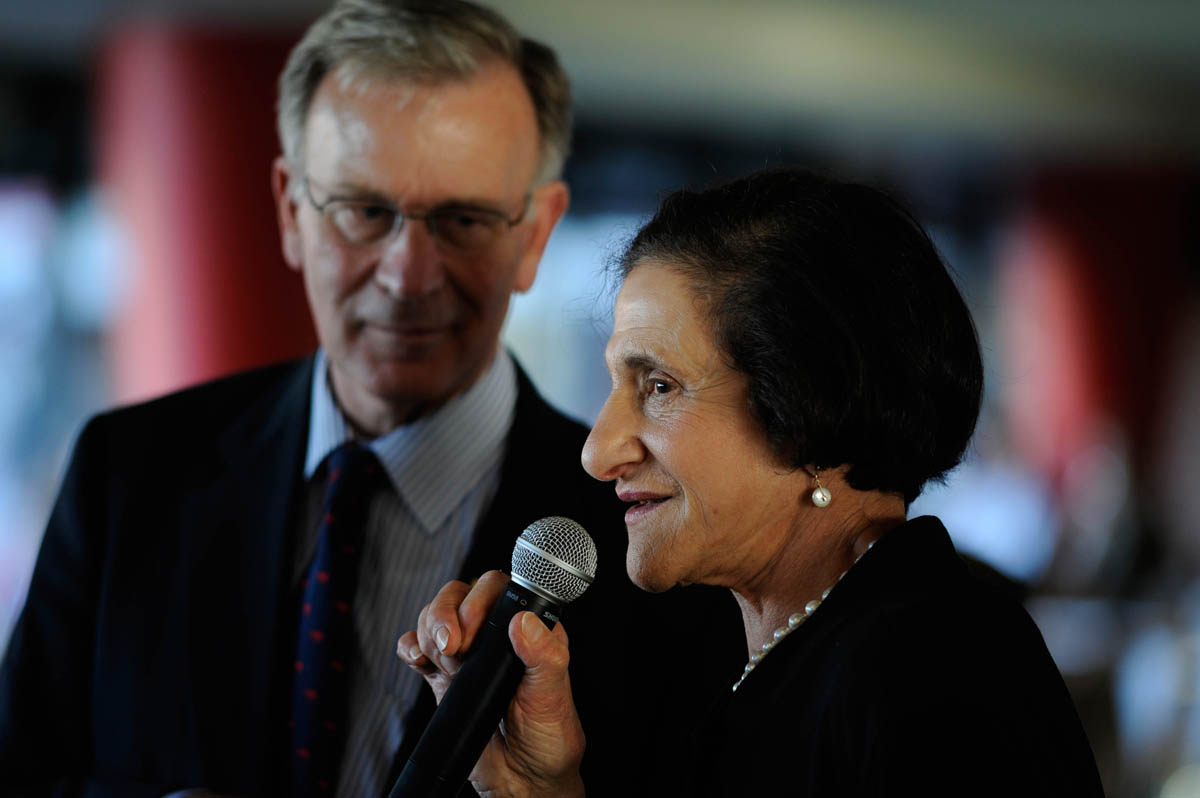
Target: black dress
<point>912,678</point>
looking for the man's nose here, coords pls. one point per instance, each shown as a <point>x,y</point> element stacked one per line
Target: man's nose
<point>409,263</point>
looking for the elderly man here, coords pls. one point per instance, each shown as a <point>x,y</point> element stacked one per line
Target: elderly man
<point>227,569</point>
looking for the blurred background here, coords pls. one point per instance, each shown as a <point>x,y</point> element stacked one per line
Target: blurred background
<point>1052,148</point>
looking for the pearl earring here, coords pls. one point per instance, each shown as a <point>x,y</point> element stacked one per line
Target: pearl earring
<point>821,496</point>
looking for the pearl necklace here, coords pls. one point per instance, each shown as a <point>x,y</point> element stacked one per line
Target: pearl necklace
<point>794,622</point>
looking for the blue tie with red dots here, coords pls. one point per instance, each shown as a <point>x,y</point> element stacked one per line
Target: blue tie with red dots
<point>326,639</point>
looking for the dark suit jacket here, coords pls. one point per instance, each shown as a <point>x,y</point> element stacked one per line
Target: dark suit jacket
<point>153,652</point>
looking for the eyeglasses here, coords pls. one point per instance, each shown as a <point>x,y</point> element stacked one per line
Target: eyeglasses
<point>456,227</point>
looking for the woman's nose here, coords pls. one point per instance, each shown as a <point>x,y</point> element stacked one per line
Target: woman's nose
<point>612,447</point>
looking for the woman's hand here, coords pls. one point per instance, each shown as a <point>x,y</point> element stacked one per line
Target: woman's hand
<point>540,743</point>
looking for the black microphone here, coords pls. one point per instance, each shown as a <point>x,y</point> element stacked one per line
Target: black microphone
<point>553,563</point>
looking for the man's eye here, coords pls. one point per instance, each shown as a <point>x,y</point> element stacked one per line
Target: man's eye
<point>464,220</point>
<point>464,229</point>
<point>362,222</point>
<point>360,213</point>
<point>374,212</point>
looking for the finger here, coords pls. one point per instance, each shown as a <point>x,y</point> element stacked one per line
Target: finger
<point>546,654</point>
<point>424,638</point>
<point>440,620</point>
<point>437,674</point>
<point>439,661</point>
<point>538,646</point>
<point>474,609</point>
<point>543,713</point>
<point>408,648</point>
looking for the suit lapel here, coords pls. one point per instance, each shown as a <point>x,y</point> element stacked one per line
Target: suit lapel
<point>492,544</point>
<point>511,510</point>
<point>240,532</point>
<point>266,471</point>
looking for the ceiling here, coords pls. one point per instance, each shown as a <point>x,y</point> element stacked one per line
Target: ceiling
<point>1073,76</point>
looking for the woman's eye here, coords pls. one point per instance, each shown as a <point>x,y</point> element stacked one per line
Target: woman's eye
<point>656,386</point>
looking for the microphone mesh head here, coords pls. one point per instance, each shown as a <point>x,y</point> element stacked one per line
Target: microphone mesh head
<point>550,539</point>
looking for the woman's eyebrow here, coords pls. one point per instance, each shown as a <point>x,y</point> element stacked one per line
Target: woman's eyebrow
<point>631,353</point>
<point>639,361</point>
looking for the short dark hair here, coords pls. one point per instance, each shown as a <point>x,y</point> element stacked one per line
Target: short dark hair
<point>423,40</point>
<point>857,345</point>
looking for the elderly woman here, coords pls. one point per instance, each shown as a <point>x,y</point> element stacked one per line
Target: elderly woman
<point>791,363</point>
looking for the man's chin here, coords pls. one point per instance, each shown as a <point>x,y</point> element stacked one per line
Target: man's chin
<point>407,345</point>
<point>401,388</point>
<point>408,372</point>
<point>413,386</point>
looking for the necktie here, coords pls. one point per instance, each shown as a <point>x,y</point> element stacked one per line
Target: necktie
<point>326,638</point>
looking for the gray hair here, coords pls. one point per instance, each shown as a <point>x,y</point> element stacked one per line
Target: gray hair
<point>426,41</point>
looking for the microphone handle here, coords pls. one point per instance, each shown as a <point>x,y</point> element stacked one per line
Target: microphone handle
<point>474,704</point>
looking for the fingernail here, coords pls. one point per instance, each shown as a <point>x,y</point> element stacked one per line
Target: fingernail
<point>414,653</point>
<point>532,627</point>
<point>442,637</point>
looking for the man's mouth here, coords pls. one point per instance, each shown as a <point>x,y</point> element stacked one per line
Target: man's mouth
<point>409,332</point>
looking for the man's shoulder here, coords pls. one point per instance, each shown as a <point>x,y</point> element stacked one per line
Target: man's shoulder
<point>542,476</point>
<point>199,410</point>
<point>543,449</point>
<point>538,419</point>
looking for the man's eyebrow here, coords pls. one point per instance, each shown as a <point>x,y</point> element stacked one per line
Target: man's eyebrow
<point>357,193</point>
<point>469,202</point>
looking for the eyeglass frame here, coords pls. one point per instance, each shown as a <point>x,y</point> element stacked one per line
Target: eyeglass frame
<point>401,216</point>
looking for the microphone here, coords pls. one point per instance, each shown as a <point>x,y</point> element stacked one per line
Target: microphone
<point>553,562</point>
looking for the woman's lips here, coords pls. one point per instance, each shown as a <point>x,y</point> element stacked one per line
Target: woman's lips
<point>644,504</point>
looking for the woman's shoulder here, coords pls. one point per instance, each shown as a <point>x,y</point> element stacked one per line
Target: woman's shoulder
<point>930,664</point>
<point>914,596</point>
<point>912,673</point>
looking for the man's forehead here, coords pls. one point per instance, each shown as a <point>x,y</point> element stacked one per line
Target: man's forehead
<point>476,134</point>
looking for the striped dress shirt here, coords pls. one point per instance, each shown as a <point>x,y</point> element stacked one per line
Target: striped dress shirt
<point>445,469</point>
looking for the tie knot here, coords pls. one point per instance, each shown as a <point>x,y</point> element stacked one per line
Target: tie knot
<point>353,471</point>
<point>352,461</point>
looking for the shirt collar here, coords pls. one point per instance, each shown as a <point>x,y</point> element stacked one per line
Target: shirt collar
<point>437,460</point>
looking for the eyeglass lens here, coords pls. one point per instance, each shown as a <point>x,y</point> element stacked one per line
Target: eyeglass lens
<point>463,229</point>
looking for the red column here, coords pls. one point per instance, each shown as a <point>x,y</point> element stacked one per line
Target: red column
<point>186,128</point>
<point>1092,291</point>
